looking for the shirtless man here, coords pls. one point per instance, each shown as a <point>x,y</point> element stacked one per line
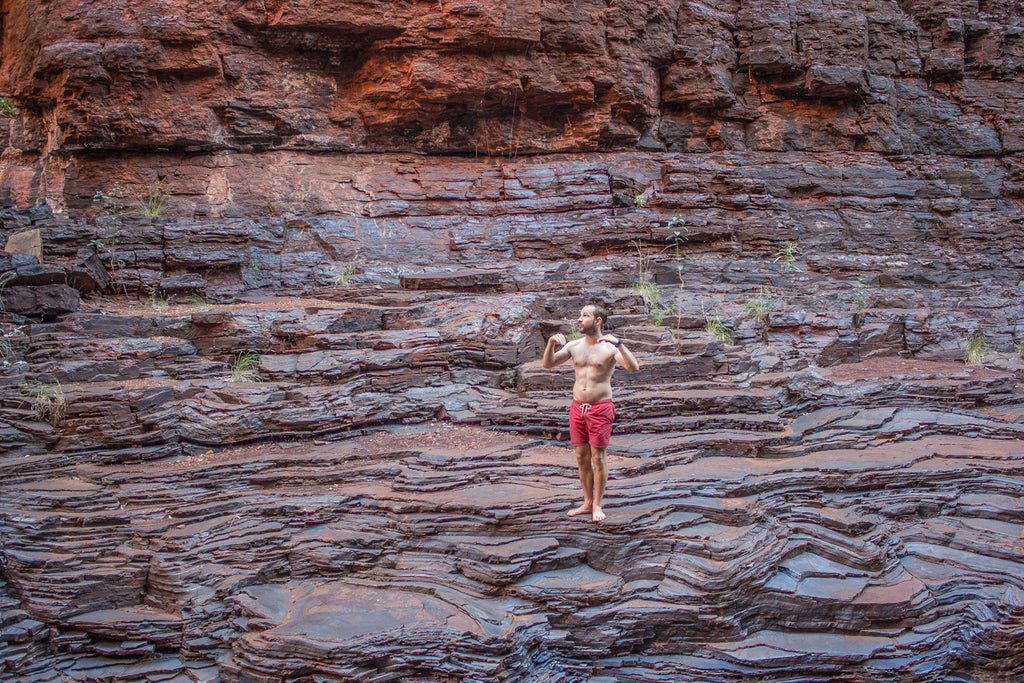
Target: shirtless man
<point>591,415</point>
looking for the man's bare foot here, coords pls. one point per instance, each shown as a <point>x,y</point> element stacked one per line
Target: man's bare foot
<point>599,515</point>
<point>582,509</point>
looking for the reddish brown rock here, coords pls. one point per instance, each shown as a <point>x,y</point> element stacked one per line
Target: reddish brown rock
<point>491,79</point>
<point>394,205</point>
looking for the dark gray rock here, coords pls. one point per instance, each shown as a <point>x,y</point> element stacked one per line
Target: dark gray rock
<point>40,301</point>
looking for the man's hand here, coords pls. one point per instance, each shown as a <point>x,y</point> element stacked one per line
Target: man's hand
<point>611,339</point>
<point>555,351</point>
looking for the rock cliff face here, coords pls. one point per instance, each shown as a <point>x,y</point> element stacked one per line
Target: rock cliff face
<point>803,215</point>
<point>185,81</point>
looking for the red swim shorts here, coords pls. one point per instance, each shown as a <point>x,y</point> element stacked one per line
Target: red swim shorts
<point>591,423</point>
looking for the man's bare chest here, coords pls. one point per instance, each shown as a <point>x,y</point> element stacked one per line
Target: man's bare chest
<point>599,356</point>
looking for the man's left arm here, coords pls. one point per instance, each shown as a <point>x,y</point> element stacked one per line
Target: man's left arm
<point>623,356</point>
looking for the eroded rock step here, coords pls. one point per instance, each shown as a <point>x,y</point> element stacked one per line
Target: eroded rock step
<point>158,418</point>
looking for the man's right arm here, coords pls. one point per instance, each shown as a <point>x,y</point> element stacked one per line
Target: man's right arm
<point>551,357</point>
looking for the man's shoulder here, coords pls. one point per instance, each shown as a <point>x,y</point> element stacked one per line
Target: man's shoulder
<point>573,343</point>
<point>576,345</point>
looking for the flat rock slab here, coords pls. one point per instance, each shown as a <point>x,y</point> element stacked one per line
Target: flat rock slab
<point>346,628</point>
<point>459,280</point>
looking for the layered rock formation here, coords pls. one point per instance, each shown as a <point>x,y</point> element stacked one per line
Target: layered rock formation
<point>836,495</point>
<point>173,93</point>
<point>389,207</point>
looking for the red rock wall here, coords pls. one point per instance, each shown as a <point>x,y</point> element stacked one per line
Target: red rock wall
<point>115,79</point>
<point>801,505</point>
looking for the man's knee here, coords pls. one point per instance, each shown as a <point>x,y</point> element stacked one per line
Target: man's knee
<point>597,455</point>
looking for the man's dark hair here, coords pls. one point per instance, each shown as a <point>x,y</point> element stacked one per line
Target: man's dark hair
<point>601,312</point>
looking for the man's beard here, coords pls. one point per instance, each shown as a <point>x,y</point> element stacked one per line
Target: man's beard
<point>589,330</point>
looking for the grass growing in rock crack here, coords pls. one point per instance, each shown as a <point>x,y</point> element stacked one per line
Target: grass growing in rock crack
<point>150,201</point>
<point>158,300</point>
<point>4,279</point>
<point>788,253</point>
<point>245,367</point>
<point>1019,348</point>
<point>510,379</point>
<point>643,262</point>
<point>198,300</point>
<point>975,348</point>
<point>759,308</point>
<point>8,352</point>
<point>713,324</point>
<point>644,285</point>
<point>48,401</point>
<point>861,296</point>
<point>649,292</point>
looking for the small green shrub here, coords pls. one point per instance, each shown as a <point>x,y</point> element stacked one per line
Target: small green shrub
<point>639,201</point>
<point>1019,348</point>
<point>7,110</point>
<point>48,401</point>
<point>574,333</point>
<point>675,242</point>
<point>861,296</point>
<point>975,348</point>
<point>660,312</point>
<point>245,367</point>
<point>510,379</point>
<point>114,201</point>
<point>343,274</point>
<point>788,254</point>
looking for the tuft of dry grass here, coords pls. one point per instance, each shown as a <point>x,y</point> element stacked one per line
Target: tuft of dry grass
<point>245,367</point>
<point>48,401</point>
<point>975,349</point>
